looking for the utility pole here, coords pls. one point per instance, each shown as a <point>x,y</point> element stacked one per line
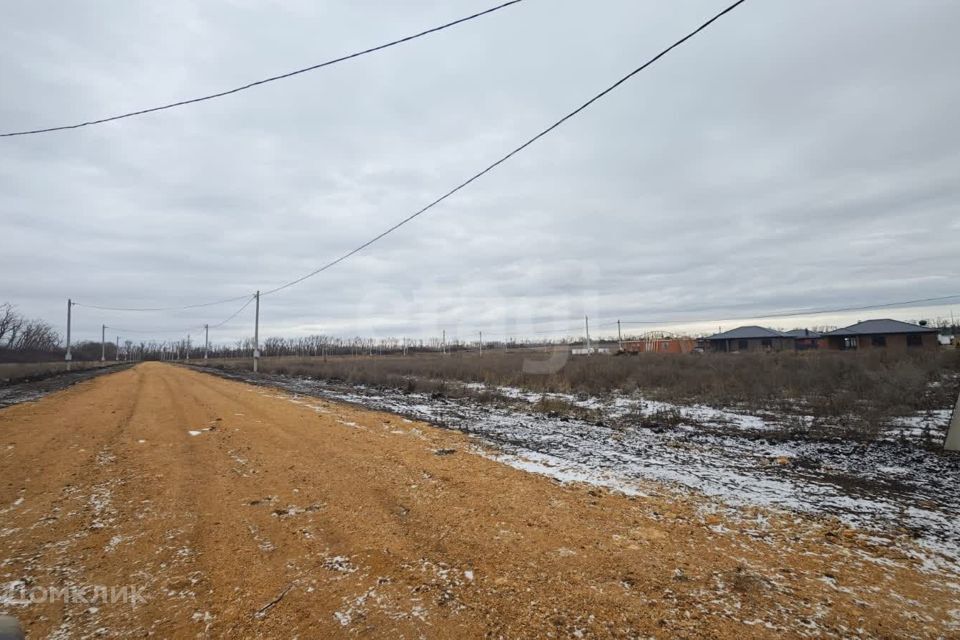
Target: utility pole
<point>116,356</point>
<point>443,343</point>
<point>206,340</point>
<point>188,347</point>
<point>619,336</point>
<point>68,357</point>
<point>256,336</point>
<point>481,344</point>
<point>586,321</point>
<point>953,435</point>
<point>103,342</point>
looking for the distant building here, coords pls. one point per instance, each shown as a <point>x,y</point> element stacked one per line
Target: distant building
<point>589,351</point>
<point>804,339</point>
<point>659,345</point>
<point>882,334</point>
<point>750,338</point>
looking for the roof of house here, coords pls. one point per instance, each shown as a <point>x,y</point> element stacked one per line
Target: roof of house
<point>746,333</point>
<point>801,333</point>
<point>885,325</point>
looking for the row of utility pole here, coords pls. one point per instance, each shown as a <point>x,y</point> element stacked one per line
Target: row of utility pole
<point>206,338</point>
<point>103,344</point>
<point>256,338</point>
<point>952,441</point>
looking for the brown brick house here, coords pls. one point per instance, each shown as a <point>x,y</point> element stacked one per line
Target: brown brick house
<point>881,334</point>
<point>804,339</point>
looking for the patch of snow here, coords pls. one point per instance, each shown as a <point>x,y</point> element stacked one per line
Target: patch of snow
<point>884,486</point>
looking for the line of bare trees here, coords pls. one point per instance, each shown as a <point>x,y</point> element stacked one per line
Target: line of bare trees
<point>23,338</point>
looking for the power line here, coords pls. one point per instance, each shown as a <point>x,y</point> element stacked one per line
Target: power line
<point>465,183</point>
<point>507,334</point>
<point>806,312</point>
<point>233,315</point>
<point>257,83</point>
<point>180,308</point>
<point>512,153</point>
<point>575,330</point>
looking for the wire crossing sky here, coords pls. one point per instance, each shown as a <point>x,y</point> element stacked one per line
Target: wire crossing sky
<point>469,180</point>
<point>778,161</point>
<point>509,155</point>
<point>257,83</point>
<point>195,327</point>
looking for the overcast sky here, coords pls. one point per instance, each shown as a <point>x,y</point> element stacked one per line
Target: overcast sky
<point>794,156</point>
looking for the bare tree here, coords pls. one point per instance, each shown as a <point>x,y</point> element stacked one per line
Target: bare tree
<point>10,324</point>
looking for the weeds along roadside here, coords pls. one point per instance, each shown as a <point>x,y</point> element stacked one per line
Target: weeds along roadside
<point>849,394</point>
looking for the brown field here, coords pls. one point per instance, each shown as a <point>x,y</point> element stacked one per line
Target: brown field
<point>860,390</point>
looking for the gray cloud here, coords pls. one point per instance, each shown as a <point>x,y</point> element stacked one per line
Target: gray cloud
<point>796,155</point>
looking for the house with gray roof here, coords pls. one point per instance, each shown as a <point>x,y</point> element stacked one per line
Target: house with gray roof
<point>804,339</point>
<point>749,338</point>
<point>882,334</point>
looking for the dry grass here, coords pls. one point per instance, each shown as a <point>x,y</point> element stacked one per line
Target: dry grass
<point>14,372</point>
<point>858,390</point>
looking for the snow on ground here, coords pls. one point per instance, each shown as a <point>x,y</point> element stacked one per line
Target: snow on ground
<point>892,486</point>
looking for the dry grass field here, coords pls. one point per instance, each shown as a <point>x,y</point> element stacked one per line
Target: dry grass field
<point>860,390</point>
<point>13,372</point>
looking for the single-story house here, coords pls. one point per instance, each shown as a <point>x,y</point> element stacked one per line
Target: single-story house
<point>750,338</point>
<point>882,334</point>
<point>804,339</point>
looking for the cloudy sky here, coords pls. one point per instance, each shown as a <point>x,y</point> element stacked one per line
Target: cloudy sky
<point>794,156</point>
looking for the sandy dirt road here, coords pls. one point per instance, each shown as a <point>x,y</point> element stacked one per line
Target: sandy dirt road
<point>244,512</point>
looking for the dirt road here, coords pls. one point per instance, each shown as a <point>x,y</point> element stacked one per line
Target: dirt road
<point>237,511</point>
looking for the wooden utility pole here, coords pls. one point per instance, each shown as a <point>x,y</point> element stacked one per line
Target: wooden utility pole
<point>206,340</point>
<point>103,342</point>
<point>619,336</point>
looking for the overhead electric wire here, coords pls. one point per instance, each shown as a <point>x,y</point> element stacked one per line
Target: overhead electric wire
<point>790,314</point>
<point>234,314</point>
<point>512,153</point>
<point>463,184</point>
<point>191,328</point>
<point>514,334</point>
<point>180,308</point>
<point>257,83</point>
